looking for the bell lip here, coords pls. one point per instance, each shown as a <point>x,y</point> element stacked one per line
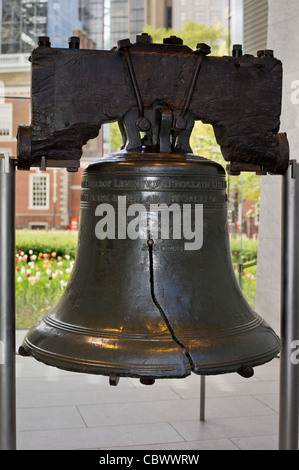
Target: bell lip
<point>83,367</point>
<point>230,367</point>
<point>86,367</point>
<point>158,371</point>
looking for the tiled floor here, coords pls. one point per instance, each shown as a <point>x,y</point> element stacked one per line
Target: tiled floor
<point>63,410</point>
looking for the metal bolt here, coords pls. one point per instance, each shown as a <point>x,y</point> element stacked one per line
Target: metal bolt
<point>122,43</point>
<point>144,38</point>
<point>143,124</point>
<point>203,48</point>
<point>180,123</point>
<point>237,50</point>
<point>173,40</point>
<point>265,53</point>
<point>269,53</point>
<point>74,42</point>
<point>44,41</point>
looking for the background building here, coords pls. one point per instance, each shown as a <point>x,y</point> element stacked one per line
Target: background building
<point>52,199</point>
<point>203,11</point>
<point>255,25</point>
<point>128,17</point>
<point>48,199</point>
<point>23,21</point>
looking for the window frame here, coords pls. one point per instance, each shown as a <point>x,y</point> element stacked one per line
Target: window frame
<point>31,180</point>
<point>9,108</point>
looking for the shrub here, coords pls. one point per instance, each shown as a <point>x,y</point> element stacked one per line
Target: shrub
<point>249,250</point>
<point>41,241</point>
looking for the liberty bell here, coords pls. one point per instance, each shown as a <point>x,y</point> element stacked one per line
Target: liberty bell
<point>153,293</point>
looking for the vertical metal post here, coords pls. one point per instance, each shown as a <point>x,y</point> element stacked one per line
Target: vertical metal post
<point>202,397</point>
<point>240,274</point>
<point>289,392</point>
<point>7,305</point>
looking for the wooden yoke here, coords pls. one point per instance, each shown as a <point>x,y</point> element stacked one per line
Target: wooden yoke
<point>155,92</point>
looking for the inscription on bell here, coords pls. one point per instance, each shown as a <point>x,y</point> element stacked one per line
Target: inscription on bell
<point>143,198</point>
<point>156,184</point>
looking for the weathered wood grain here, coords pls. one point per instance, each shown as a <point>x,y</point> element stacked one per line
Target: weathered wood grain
<point>75,91</point>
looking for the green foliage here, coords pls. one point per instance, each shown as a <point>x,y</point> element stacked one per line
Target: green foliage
<point>115,137</point>
<point>40,281</point>
<point>193,33</point>
<point>245,252</point>
<point>41,241</point>
<point>249,284</point>
<point>203,143</point>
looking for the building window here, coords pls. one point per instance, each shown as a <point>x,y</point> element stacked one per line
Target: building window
<point>38,226</point>
<point>6,120</point>
<point>39,192</point>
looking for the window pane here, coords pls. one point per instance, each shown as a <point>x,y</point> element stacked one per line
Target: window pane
<point>39,196</point>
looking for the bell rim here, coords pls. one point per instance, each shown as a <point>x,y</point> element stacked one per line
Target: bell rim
<point>158,372</point>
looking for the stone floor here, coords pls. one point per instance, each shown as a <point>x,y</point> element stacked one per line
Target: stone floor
<point>71,411</point>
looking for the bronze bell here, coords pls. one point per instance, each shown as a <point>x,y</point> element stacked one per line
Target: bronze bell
<point>153,293</point>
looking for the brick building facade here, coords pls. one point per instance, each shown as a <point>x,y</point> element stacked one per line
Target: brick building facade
<point>48,199</point>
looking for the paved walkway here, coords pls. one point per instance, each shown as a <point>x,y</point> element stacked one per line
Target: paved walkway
<point>64,410</point>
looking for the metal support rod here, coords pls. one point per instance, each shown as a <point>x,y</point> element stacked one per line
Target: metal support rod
<point>289,392</point>
<point>7,304</point>
<point>202,397</point>
<point>240,274</point>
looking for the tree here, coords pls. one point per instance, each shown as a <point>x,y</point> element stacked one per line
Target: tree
<point>203,143</point>
<point>192,34</point>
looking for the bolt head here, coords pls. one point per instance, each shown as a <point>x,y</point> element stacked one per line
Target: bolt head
<point>180,123</point>
<point>124,43</point>
<point>143,124</point>
<point>44,41</point>
<point>173,40</point>
<point>144,38</point>
<point>74,42</point>
<point>265,53</point>
<point>237,50</point>
<point>203,48</point>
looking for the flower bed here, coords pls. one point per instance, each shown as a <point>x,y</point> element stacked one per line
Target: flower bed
<point>40,281</point>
